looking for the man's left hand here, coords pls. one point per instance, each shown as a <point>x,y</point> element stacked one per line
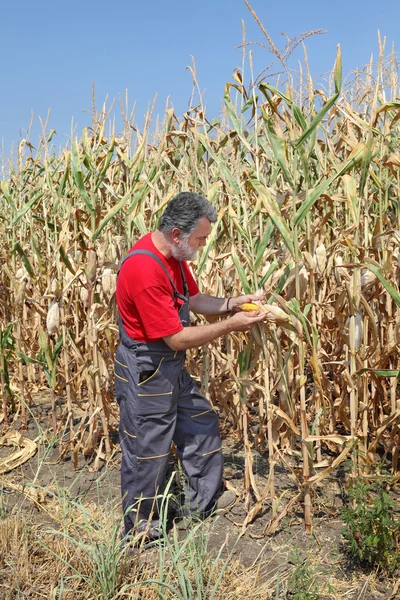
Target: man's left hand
<point>234,302</point>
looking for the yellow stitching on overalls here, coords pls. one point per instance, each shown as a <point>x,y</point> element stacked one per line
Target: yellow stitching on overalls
<point>149,395</point>
<point>212,451</point>
<point>122,365</point>
<point>203,413</point>
<point>154,374</point>
<point>119,377</point>
<point>149,457</point>
<point>129,434</point>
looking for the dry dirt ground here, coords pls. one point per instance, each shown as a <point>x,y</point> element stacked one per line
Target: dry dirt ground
<point>289,549</point>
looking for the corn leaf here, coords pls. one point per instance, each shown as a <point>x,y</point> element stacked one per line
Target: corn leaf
<point>78,178</point>
<point>388,286</point>
<point>241,272</point>
<point>278,148</point>
<point>25,260</point>
<point>211,240</point>
<point>27,207</point>
<point>320,189</point>
<point>274,213</point>
<point>111,214</point>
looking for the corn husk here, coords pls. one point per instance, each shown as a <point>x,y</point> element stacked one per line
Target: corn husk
<point>367,279</point>
<point>91,266</point>
<point>53,318</point>
<point>320,259</point>
<point>108,282</point>
<point>84,296</point>
<point>358,331</point>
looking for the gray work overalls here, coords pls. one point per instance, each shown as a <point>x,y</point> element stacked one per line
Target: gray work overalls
<point>160,403</point>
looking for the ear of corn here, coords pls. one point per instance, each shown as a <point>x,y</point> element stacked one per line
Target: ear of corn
<point>249,307</point>
<point>53,318</point>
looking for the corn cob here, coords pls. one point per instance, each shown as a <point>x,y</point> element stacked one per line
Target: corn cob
<point>249,306</point>
<point>276,315</point>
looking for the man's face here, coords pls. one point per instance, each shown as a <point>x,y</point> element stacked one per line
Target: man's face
<point>186,248</point>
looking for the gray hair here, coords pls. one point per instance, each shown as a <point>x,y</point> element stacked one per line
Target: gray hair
<point>184,211</point>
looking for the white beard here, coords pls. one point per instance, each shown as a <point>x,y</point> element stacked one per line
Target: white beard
<point>183,252</point>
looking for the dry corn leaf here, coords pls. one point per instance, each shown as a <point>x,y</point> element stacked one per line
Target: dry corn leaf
<point>25,450</point>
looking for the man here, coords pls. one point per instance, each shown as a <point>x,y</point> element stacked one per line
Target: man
<point>159,401</point>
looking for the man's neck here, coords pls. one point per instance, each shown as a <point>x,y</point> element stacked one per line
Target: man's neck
<point>162,243</point>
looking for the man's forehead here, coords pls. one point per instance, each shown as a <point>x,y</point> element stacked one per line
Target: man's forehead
<point>203,227</point>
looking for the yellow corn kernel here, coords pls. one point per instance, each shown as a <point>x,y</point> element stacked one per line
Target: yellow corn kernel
<point>249,306</point>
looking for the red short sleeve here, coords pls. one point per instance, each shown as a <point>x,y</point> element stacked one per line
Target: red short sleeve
<point>145,294</point>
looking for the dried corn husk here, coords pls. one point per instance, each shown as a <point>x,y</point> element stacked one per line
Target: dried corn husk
<point>91,266</point>
<point>84,296</point>
<point>53,318</point>
<point>340,273</point>
<point>22,274</point>
<point>358,331</point>
<point>320,259</point>
<point>108,281</point>
<point>367,279</point>
<point>54,285</point>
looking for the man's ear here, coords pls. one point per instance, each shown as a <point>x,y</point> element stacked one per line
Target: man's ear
<point>176,235</point>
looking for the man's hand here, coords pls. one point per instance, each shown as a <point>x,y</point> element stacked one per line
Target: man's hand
<point>243,321</point>
<point>235,302</point>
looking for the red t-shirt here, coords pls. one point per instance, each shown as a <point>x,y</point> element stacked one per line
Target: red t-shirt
<point>144,294</point>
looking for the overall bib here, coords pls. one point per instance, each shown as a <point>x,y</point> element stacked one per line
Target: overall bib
<point>160,403</point>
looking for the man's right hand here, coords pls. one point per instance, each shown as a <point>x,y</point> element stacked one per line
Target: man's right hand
<point>193,337</point>
<point>243,321</point>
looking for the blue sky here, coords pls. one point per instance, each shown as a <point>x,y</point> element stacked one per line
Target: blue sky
<point>53,51</point>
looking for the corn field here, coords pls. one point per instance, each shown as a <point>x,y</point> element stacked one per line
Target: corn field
<point>306,184</point>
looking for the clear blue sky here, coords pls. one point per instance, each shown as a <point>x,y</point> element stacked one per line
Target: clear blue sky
<point>52,52</point>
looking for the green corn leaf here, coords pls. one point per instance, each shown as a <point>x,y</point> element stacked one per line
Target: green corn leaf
<point>231,111</point>
<point>220,163</point>
<point>78,178</point>
<point>57,348</point>
<point>298,115</point>
<point>28,360</point>
<point>381,372</point>
<point>281,282</point>
<point>241,272</point>
<point>388,286</point>
<point>210,241</point>
<point>6,192</point>
<point>65,175</point>
<point>25,260</point>
<point>278,148</point>
<point>140,224</point>
<point>366,161</point>
<point>274,213</point>
<point>328,104</point>
<point>267,86</point>
<point>66,261</point>
<point>320,189</point>
<point>111,214</point>
<point>316,120</point>
<point>268,231</point>
<point>107,162</point>
<point>268,274</point>
<point>27,207</point>
<point>337,75</point>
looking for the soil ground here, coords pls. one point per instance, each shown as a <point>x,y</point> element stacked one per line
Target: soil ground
<point>289,549</point>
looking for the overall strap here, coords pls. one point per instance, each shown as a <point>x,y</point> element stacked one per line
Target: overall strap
<point>164,268</point>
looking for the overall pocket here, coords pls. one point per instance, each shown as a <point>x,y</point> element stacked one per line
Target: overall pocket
<point>121,376</point>
<point>155,388</point>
